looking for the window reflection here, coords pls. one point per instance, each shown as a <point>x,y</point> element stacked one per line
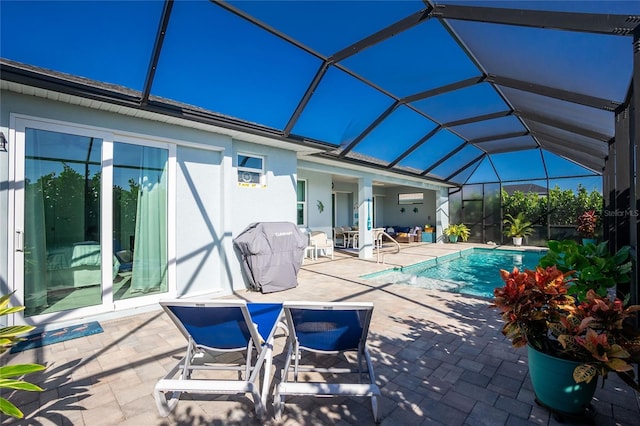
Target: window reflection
<point>139,220</point>
<point>62,258</point>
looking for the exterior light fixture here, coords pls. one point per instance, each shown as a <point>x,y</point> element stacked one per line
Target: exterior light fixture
<point>3,142</point>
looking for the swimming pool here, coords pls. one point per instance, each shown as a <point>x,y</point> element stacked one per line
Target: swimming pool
<point>474,271</point>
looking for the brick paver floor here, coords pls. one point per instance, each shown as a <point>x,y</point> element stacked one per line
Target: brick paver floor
<point>439,358</point>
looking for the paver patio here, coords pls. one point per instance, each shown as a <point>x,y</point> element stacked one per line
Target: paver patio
<point>439,358</point>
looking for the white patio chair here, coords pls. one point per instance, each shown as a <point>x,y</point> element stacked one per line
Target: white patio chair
<point>321,243</point>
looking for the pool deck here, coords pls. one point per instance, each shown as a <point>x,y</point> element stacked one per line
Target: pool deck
<point>439,358</point>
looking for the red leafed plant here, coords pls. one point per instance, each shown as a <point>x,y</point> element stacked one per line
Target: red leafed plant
<point>596,332</point>
<point>587,224</point>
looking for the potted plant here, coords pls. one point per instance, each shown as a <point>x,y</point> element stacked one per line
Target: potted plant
<point>595,267</point>
<point>517,228</point>
<point>457,231</point>
<point>587,225</point>
<point>570,343</point>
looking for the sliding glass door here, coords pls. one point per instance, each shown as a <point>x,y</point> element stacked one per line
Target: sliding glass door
<point>76,246</point>
<point>139,220</point>
<point>62,252</point>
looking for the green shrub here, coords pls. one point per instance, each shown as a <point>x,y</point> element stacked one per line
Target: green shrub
<point>459,230</point>
<point>10,374</point>
<point>595,268</point>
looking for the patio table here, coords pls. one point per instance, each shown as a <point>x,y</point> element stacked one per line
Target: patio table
<point>352,238</point>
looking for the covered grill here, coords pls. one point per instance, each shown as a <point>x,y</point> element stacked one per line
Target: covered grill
<point>271,255</point>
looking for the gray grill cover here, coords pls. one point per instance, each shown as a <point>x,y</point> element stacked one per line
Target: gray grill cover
<point>271,255</point>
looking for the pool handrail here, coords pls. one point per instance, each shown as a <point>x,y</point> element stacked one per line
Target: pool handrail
<point>378,248</point>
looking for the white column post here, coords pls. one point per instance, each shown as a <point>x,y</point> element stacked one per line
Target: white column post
<point>442,213</point>
<point>365,218</point>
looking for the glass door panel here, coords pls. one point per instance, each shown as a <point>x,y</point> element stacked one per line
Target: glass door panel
<point>139,220</point>
<point>62,252</point>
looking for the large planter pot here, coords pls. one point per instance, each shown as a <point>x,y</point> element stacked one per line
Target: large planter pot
<point>453,238</point>
<point>555,389</point>
<point>517,241</point>
<point>586,241</point>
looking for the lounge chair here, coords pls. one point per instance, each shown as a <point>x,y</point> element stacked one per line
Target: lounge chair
<point>330,329</point>
<point>211,328</point>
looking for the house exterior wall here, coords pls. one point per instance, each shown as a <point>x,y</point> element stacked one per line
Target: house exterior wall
<point>378,215</point>
<point>346,196</point>
<point>318,191</point>
<point>276,202</point>
<point>210,207</point>
<point>199,226</point>
<point>426,211</point>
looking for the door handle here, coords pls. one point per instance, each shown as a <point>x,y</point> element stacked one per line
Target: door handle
<point>19,241</point>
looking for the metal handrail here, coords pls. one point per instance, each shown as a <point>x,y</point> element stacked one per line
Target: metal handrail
<point>378,248</point>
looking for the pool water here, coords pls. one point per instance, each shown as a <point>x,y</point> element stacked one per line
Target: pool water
<point>475,272</point>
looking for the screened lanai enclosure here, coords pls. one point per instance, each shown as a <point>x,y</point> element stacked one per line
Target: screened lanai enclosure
<point>483,96</point>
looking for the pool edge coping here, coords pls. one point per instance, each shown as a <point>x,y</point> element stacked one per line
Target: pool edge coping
<point>450,256</point>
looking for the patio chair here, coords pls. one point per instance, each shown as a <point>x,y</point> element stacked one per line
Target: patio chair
<point>216,327</point>
<point>327,329</point>
<point>321,243</point>
<point>339,237</point>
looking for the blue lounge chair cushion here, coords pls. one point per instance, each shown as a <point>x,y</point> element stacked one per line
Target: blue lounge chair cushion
<point>225,327</point>
<point>327,330</point>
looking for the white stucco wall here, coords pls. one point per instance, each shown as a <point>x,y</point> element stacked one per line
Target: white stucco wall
<point>199,230</point>
<point>426,211</point>
<point>346,196</point>
<point>210,206</point>
<point>442,213</point>
<point>274,203</point>
<point>318,190</point>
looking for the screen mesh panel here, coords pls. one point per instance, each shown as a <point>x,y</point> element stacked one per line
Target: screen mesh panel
<point>347,107</point>
<point>401,129</point>
<point>564,113</point>
<point>456,105</point>
<point>58,35</point>
<point>432,150</point>
<point>507,144</point>
<point>323,73</point>
<point>558,166</point>
<point>308,21</point>
<point>431,65</point>
<point>504,165</point>
<point>454,163</point>
<point>484,173</point>
<point>554,58</point>
<point>487,128</point>
<point>253,74</point>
